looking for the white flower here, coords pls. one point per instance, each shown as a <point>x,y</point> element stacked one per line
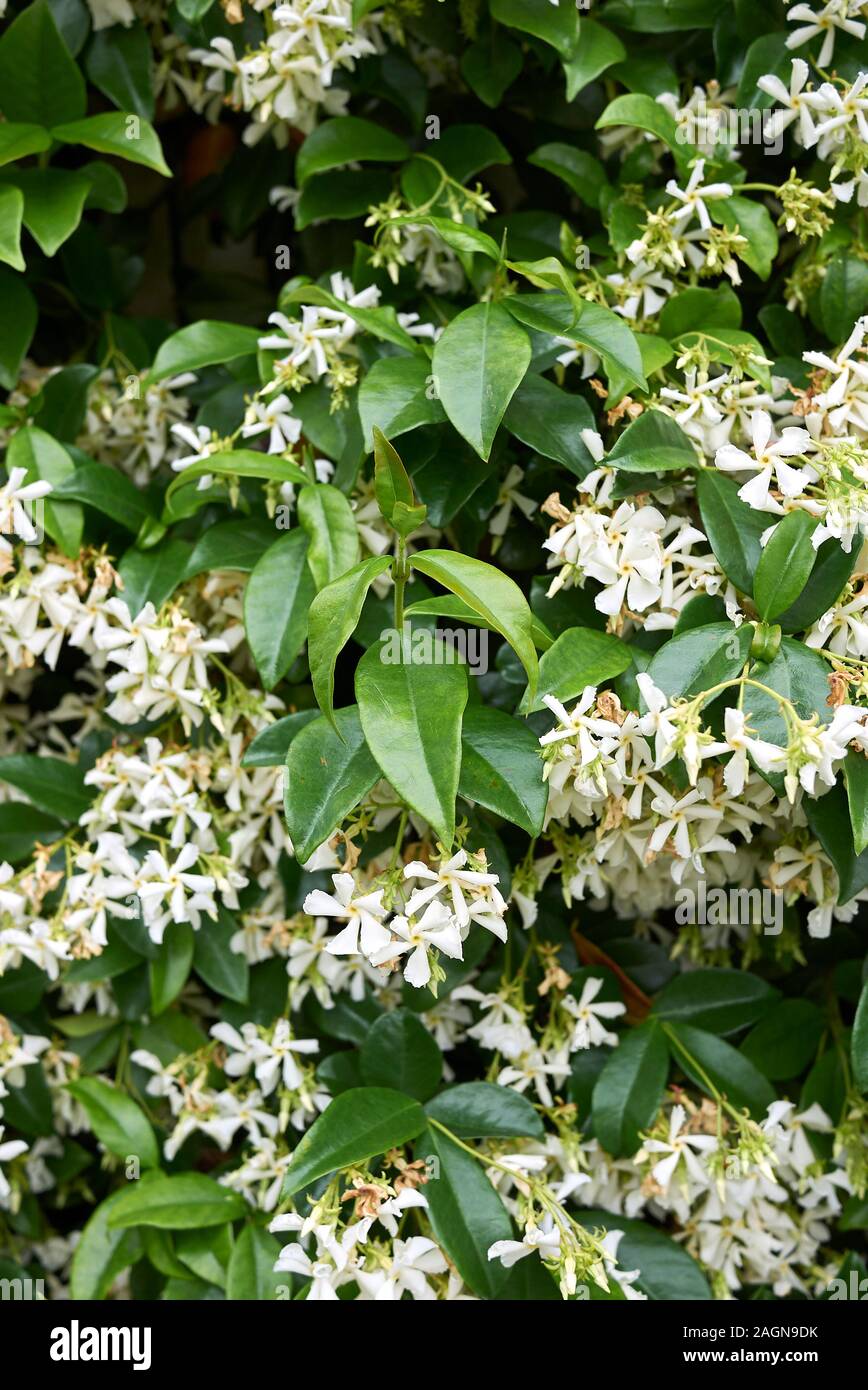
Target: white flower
<point>767,460</point>
<point>15,517</point>
<point>835,15</point>
<point>11,1149</point>
<point>436,930</point>
<point>798,106</point>
<point>544,1240</point>
<point>275,416</point>
<point>273,1060</point>
<point>680,1146</point>
<point>364,917</point>
<point>694,196</point>
<point>589,1030</point>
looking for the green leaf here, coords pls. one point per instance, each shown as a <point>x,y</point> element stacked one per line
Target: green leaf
<point>608,334</point>
<point>182,499</point>
<point>644,113</point>
<point>20,828</point>
<point>490,593</point>
<point>666,1271</point>
<point>334,615</point>
<point>856,778</point>
<point>342,195</point>
<point>17,325</point>
<point>701,658</point>
<point>28,1107</point>
<point>719,1001</point>
<point>169,971</point>
<point>859,1045</point>
<point>480,1110</point>
<point>467,241</point>
<point>276,602</point>
<point>466,1213</point>
<point>203,345</point>
<point>401,1053</point>
<point>396,395</point>
<point>501,767</point>
<point>829,818</point>
<point>347,140</point>
<point>206,1252</point>
<point>251,1275</point>
<point>832,568</point>
<point>11,215</point>
<point>597,49</point>
<point>732,527</point>
<point>843,294</point>
<point>801,676</point>
<point>39,81</point>
<point>327,517</point>
<point>128,136</point>
<point>580,656</point>
<point>550,420</point>
<point>356,1126</point>
<point>753,221</point>
<point>653,443</point>
<point>118,62</point>
<point>51,784</point>
<point>19,139</point>
<point>580,171</point>
<point>391,483</point>
<point>116,1120</point>
<point>47,461</point>
<point>180,1202</point>
<point>411,716</point>
<point>785,565</point>
<point>556,25</point>
<point>629,1089</point>
<point>700,308</point>
<point>270,747</point>
<point>328,771</point>
<point>704,1058</point>
<point>214,961</point>
<point>152,576</point>
<point>54,200</point>
<point>231,545</point>
<point>102,1253</point>
<point>478,363</point>
<point>102,487</point>
<point>785,1041</point>
<point>489,68</point>
<point>382,322</point>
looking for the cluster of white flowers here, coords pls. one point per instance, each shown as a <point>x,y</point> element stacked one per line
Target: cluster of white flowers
<point>644,560</point>
<point>317,346</point>
<point>605,768</point>
<point>435,918</point>
<point>291,78</point>
<point>752,1202</point>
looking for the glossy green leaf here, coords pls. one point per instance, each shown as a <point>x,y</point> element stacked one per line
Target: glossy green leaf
<point>277,597</point>
<point>328,771</point>
<point>356,1126</point>
<point>411,716</point>
<point>479,361</point>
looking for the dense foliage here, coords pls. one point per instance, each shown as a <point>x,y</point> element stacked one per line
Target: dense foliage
<point>434,747</point>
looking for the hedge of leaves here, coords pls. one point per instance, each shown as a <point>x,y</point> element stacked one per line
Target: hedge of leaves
<point>434,744</point>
